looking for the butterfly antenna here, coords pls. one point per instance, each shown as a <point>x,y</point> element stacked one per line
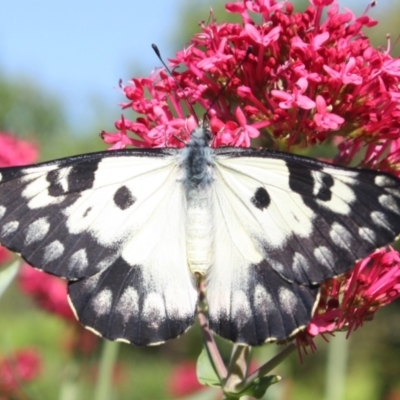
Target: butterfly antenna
<point>158,54</point>
<point>222,89</point>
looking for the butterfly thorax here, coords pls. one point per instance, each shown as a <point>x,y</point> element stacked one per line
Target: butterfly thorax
<point>198,161</point>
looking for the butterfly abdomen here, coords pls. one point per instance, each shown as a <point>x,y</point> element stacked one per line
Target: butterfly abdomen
<point>197,162</point>
<point>199,230</point>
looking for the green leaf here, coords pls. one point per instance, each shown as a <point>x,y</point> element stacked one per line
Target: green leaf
<point>256,388</point>
<point>206,373</point>
<point>260,385</point>
<point>7,275</point>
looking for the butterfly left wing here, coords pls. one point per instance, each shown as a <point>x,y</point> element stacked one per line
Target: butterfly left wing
<point>284,225</point>
<point>112,223</point>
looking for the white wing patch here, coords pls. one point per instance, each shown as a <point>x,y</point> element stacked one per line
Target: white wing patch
<point>37,230</point>
<point>389,202</point>
<point>128,303</point>
<point>79,261</point>
<point>102,302</point>
<point>367,234</point>
<point>9,228</point>
<point>53,251</point>
<point>324,256</point>
<point>340,236</point>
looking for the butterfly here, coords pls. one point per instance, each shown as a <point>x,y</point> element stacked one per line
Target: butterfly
<point>132,230</point>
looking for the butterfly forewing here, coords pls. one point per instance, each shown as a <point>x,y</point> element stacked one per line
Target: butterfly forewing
<point>112,223</point>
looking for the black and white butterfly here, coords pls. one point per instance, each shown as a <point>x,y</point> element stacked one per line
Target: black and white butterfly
<point>131,229</point>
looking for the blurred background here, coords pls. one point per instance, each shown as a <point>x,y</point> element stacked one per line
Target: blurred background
<point>60,64</point>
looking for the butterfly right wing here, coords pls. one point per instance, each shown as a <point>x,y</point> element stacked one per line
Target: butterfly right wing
<point>284,224</point>
<point>112,223</point>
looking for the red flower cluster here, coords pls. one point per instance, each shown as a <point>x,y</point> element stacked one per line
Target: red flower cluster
<point>47,291</point>
<point>17,369</point>
<point>373,283</point>
<point>307,80</point>
<point>14,151</point>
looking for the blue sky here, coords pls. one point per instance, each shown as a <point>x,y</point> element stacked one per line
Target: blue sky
<point>80,49</point>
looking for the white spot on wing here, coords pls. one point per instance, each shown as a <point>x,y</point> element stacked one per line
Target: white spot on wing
<point>389,203</point>
<point>9,228</point>
<point>78,260</point>
<point>53,251</point>
<point>379,218</point>
<point>102,302</point>
<point>62,177</point>
<point>2,211</point>
<point>340,236</point>
<point>324,256</point>
<point>342,195</point>
<point>393,192</point>
<point>278,267</point>
<point>262,299</point>
<point>154,309</point>
<point>38,194</point>
<point>318,182</point>
<point>300,263</point>
<point>106,262</point>
<point>287,300</point>
<point>241,308</point>
<point>37,230</point>
<point>382,180</point>
<point>128,303</point>
<point>367,234</point>
<point>90,283</point>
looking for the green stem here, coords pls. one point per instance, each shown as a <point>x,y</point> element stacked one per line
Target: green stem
<point>108,359</point>
<point>237,369</point>
<point>8,274</point>
<point>270,365</point>
<point>336,369</point>
<point>211,346</point>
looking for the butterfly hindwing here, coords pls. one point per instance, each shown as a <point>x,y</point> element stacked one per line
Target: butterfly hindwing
<point>111,222</point>
<point>286,224</point>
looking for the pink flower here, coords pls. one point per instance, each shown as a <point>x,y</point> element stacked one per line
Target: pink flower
<point>295,99</point>
<point>316,42</point>
<point>260,38</point>
<point>347,302</point>
<point>17,369</point>
<point>322,3</point>
<point>324,119</point>
<point>284,74</point>
<point>120,139</point>
<point>14,151</point>
<point>345,74</point>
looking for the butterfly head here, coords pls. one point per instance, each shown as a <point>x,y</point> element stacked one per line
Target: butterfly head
<point>200,136</point>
